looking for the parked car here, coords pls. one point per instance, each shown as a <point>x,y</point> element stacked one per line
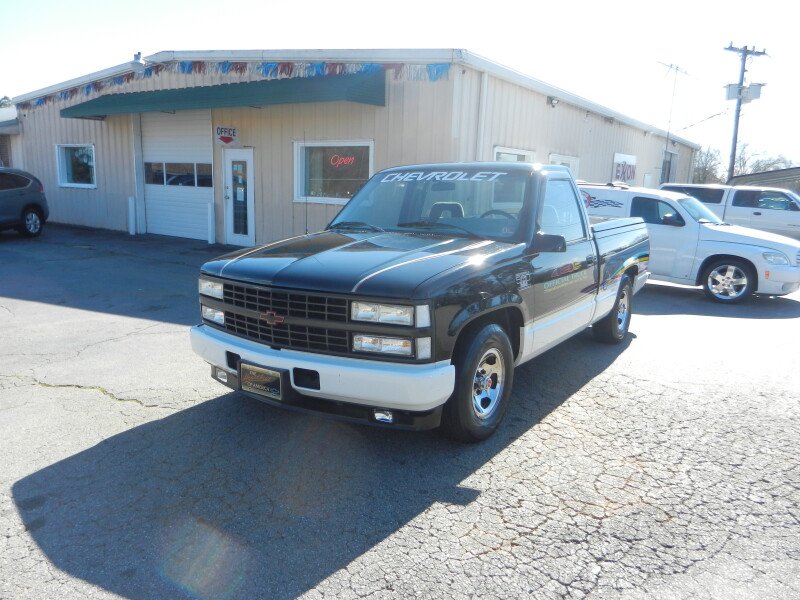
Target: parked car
<point>766,208</point>
<point>23,205</point>
<point>414,306</point>
<point>691,245</point>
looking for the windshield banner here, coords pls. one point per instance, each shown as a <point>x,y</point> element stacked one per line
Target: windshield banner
<point>442,176</point>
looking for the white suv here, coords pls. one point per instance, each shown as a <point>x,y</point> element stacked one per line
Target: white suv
<point>690,245</point>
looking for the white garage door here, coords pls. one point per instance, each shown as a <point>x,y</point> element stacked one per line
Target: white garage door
<point>177,150</point>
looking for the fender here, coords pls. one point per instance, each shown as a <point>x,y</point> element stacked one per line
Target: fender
<point>482,307</point>
<point>615,268</point>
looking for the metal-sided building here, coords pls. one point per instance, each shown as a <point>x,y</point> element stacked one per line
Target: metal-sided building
<point>245,147</point>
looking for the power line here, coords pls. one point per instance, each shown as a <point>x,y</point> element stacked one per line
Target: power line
<point>708,118</point>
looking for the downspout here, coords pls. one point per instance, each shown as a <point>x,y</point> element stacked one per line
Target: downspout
<point>481,135</point>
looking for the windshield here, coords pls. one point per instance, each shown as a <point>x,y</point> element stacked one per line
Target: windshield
<point>458,202</point>
<point>698,211</point>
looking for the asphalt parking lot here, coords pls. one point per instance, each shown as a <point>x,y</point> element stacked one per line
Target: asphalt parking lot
<point>662,468</point>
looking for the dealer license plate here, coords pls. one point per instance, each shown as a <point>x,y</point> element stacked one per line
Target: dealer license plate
<point>260,380</point>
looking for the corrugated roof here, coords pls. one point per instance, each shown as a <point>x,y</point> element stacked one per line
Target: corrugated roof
<point>366,88</point>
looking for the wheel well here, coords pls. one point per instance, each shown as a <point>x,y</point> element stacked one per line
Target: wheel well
<point>632,272</point>
<point>509,318</point>
<point>716,257</point>
<point>35,207</point>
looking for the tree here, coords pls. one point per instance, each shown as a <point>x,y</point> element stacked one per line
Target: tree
<point>707,166</point>
<point>5,102</point>
<point>748,162</point>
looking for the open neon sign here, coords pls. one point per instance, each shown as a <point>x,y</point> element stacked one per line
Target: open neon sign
<point>338,160</point>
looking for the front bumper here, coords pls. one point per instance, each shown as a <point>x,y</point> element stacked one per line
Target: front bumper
<point>778,281</point>
<point>370,383</point>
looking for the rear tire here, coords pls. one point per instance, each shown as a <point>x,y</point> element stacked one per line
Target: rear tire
<point>729,281</point>
<point>32,223</point>
<point>484,363</point>
<point>613,328</point>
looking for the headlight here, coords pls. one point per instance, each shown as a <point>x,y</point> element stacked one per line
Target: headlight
<point>776,258</point>
<point>209,288</point>
<point>382,313</point>
<point>382,345</point>
<point>213,315</point>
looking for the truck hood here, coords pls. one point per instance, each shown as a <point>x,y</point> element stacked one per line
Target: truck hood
<point>387,264</point>
<point>735,234</point>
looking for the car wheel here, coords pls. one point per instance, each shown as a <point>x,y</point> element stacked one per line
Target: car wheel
<point>32,223</point>
<point>729,281</point>
<point>484,363</point>
<point>613,328</point>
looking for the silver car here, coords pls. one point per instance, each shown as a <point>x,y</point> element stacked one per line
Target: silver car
<point>23,205</point>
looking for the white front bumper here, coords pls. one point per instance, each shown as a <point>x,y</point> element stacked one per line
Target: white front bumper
<point>360,381</point>
<point>778,280</point>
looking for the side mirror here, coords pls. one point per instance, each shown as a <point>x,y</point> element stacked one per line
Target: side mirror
<point>544,242</point>
<point>672,219</point>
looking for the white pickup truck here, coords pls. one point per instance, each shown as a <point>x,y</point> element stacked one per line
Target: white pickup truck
<point>770,209</point>
<point>691,245</point>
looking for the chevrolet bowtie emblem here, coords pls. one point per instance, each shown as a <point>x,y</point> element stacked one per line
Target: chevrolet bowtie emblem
<point>271,318</point>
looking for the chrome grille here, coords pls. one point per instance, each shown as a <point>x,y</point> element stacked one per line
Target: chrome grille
<point>290,304</point>
<point>285,335</point>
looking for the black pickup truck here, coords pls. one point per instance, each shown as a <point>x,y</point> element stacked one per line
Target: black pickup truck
<point>413,307</point>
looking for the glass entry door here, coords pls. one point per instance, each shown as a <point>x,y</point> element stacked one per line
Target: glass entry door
<point>238,196</point>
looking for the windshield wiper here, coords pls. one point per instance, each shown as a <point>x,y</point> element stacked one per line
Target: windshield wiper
<point>356,225</point>
<point>436,225</point>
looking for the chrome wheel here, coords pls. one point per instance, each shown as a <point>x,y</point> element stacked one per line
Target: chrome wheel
<point>32,222</point>
<point>623,310</point>
<point>487,386</point>
<point>727,282</point>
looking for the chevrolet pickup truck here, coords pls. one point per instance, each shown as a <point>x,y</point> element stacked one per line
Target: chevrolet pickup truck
<point>413,307</point>
<point>769,209</point>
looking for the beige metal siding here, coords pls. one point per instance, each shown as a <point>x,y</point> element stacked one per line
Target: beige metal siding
<point>414,126</point>
<point>517,117</point>
<point>107,205</point>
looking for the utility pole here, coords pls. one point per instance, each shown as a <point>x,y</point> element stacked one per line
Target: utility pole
<point>744,52</point>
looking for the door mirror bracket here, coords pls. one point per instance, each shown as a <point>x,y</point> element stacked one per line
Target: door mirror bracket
<point>545,242</point>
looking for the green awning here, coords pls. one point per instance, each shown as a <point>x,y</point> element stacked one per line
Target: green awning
<point>364,88</point>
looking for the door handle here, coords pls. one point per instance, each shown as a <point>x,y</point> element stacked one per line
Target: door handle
<point>758,214</point>
<point>591,259</point>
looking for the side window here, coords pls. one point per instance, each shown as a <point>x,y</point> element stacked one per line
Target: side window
<point>775,201</point>
<point>707,195</point>
<point>561,214</point>
<point>11,181</point>
<point>655,212</point>
<point>746,198</point>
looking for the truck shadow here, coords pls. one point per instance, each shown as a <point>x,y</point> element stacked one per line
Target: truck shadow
<point>660,299</point>
<point>232,498</point>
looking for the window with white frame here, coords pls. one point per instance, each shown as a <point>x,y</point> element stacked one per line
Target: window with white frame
<point>504,154</point>
<point>571,162</point>
<point>331,172</point>
<point>76,165</point>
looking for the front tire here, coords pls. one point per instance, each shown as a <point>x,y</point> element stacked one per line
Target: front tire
<point>729,281</point>
<point>613,328</point>
<point>32,223</point>
<point>484,363</point>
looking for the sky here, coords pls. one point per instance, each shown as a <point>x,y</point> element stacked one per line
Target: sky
<point>608,52</point>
